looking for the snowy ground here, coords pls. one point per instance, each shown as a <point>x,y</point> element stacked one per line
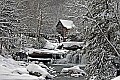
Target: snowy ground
<point>18,70</point>
<point>14,70</point>
<point>117,78</point>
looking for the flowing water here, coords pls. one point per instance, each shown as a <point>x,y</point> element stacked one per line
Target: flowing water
<point>59,67</point>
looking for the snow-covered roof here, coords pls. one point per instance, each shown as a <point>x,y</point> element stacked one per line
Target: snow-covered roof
<point>67,23</point>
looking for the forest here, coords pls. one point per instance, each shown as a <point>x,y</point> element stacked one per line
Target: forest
<point>31,24</point>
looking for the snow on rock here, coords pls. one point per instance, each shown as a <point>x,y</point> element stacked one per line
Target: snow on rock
<point>50,45</point>
<point>31,50</point>
<point>7,65</point>
<point>10,70</point>
<point>4,70</point>
<point>43,66</point>
<point>116,78</point>
<point>34,68</point>
<point>69,44</point>
<point>76,75</point>
<point>18,77</point>
<point>52,70</point>
<point>22,63</point>
<point>65,70</point>
<point>8,62</point>
<point>74,71</point>
<point>20,71</point>
<point>41,78</point>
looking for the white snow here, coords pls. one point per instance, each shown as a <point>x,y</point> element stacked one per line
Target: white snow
<point>8,63</point>
<point>18,77</point>
<point>31,50</point>
<point>20,71</point>
<point>50,45</point>
<point>43,66</point>
<point>9,69</point>
<point>36,68</point>
<point>69,44</point>
<point>67,23</point>
<point>116,78</point>
<point>4,70</point>
<point>76,75</point>
<point>41,78</point>
<point>74,71</point>
<point>65,70</point>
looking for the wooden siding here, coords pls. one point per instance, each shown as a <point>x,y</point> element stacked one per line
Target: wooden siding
<point>61,29</point>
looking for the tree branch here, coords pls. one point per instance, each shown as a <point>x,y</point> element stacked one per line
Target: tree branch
<point>108,40</point>
<point>92,19</point>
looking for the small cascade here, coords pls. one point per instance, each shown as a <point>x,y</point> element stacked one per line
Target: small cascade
<point>73,58</point>
<point>69,58</point>
<point>83,59</point>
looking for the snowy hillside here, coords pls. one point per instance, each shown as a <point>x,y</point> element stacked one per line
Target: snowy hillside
<point>12,70</point>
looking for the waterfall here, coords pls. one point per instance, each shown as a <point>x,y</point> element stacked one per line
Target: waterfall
<point>74,58</point>
<point>69,58</point>
<point>83,59</point>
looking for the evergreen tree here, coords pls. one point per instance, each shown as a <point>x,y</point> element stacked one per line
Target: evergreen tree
<point>101,25</point>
